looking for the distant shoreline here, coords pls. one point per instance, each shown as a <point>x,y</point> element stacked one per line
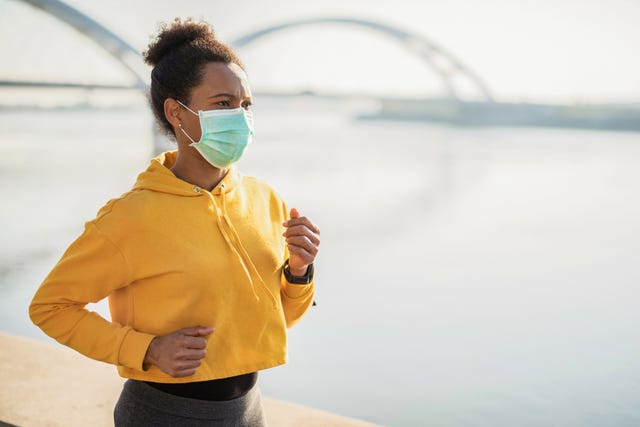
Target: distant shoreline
<point>614,117</point>
<point>623,117</point>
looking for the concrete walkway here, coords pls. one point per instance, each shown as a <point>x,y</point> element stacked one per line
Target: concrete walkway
<point>51,385</point>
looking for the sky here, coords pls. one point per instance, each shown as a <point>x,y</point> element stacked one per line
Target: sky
<point>560,51</point>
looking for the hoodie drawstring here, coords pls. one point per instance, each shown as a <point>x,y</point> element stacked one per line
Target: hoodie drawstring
<point>235,244</point>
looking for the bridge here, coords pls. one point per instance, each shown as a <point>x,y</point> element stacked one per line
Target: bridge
<point>444,65</point>
<point>104,38</point>
<point>448,68</point>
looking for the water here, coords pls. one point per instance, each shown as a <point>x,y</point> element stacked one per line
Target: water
<point>484,277</point>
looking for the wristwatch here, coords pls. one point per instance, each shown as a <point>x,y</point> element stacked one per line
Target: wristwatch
<point>298,280</point>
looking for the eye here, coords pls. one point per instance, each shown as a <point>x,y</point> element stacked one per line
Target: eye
<point>223,103</point>
<point>247,105</point>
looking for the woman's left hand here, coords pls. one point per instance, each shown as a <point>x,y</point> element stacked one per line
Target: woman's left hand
<point>303,239</point>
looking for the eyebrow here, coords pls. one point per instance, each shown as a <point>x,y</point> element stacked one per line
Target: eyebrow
<point>222,94</point>
<point>228,95</point>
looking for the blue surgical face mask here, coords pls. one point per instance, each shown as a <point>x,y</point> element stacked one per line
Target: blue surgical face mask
<point>225,135</point>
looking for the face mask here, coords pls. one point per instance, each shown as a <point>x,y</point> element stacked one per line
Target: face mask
<point>225,135</point>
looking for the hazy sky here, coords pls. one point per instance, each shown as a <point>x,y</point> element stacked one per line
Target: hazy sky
<point>543,50</point>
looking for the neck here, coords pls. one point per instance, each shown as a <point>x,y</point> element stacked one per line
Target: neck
<point>197,171</point>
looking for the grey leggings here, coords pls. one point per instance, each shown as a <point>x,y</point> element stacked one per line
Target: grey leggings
<point>142,405</point>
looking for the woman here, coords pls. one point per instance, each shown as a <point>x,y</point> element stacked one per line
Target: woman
<point>201,282</point>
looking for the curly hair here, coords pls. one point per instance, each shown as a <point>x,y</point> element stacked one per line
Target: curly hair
<point>178,54</point>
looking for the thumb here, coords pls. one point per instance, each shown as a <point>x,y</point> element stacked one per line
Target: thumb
<point>295,213</point>
<point>198,331</point>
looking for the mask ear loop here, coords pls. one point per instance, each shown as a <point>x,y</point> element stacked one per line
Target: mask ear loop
<point>180,123</point>
<point>187,108</point>
<point>186,134</point>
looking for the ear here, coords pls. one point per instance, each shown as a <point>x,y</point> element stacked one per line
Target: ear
<point>172,111</point>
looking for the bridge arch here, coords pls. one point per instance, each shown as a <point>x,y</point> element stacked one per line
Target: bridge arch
<point>443,63</point>
<point>106,39</point>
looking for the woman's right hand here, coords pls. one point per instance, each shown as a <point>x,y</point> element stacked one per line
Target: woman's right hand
<point>179,354</point>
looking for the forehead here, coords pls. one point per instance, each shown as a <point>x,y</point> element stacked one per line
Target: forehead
<point>218,77</point>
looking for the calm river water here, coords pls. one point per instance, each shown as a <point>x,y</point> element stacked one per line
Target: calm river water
<point>467,277</point>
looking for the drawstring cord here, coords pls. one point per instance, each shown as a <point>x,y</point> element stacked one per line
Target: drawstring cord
<point>245,260</point>
<point>243,251</point>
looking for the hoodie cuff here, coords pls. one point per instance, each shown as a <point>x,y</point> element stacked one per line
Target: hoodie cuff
<point>133,349</point>
<point>295,291</point>
<point>298,291</point>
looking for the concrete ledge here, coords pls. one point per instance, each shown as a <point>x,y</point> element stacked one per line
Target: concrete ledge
<point>49,385</point>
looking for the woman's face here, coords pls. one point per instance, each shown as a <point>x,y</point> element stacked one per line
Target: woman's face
<point>223,86</point>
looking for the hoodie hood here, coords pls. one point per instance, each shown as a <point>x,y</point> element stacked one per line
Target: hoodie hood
<point>158,177</point>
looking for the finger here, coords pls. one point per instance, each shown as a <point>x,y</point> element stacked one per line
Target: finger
<point>193,331</point>
<point>182,365</point>
<point>294,213</point>
<point>197,343</point>
<point>203,332</point>
<point>191,354</point>
<point>303,242</point>
<point>183,373</point>
<point>184,368</point>
<point>304,255</point>
<point>303,220</point>
<point>302,230</point>
<point>196,331</point>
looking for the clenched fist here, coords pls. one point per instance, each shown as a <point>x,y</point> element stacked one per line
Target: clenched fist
<point>303,239</point>
<point>179,354</point>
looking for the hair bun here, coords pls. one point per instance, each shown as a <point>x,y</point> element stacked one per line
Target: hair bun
<point>171,37</point>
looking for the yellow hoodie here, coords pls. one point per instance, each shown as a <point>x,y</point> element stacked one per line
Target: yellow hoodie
<point>171,255</point>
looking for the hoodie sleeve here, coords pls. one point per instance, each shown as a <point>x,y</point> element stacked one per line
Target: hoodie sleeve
<point>296,299</point>
<point>90,269</point>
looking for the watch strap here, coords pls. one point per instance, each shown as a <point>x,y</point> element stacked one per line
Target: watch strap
<point>298,280</point>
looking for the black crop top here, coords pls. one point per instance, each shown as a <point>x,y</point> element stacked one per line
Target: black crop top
<point>220,389</point>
